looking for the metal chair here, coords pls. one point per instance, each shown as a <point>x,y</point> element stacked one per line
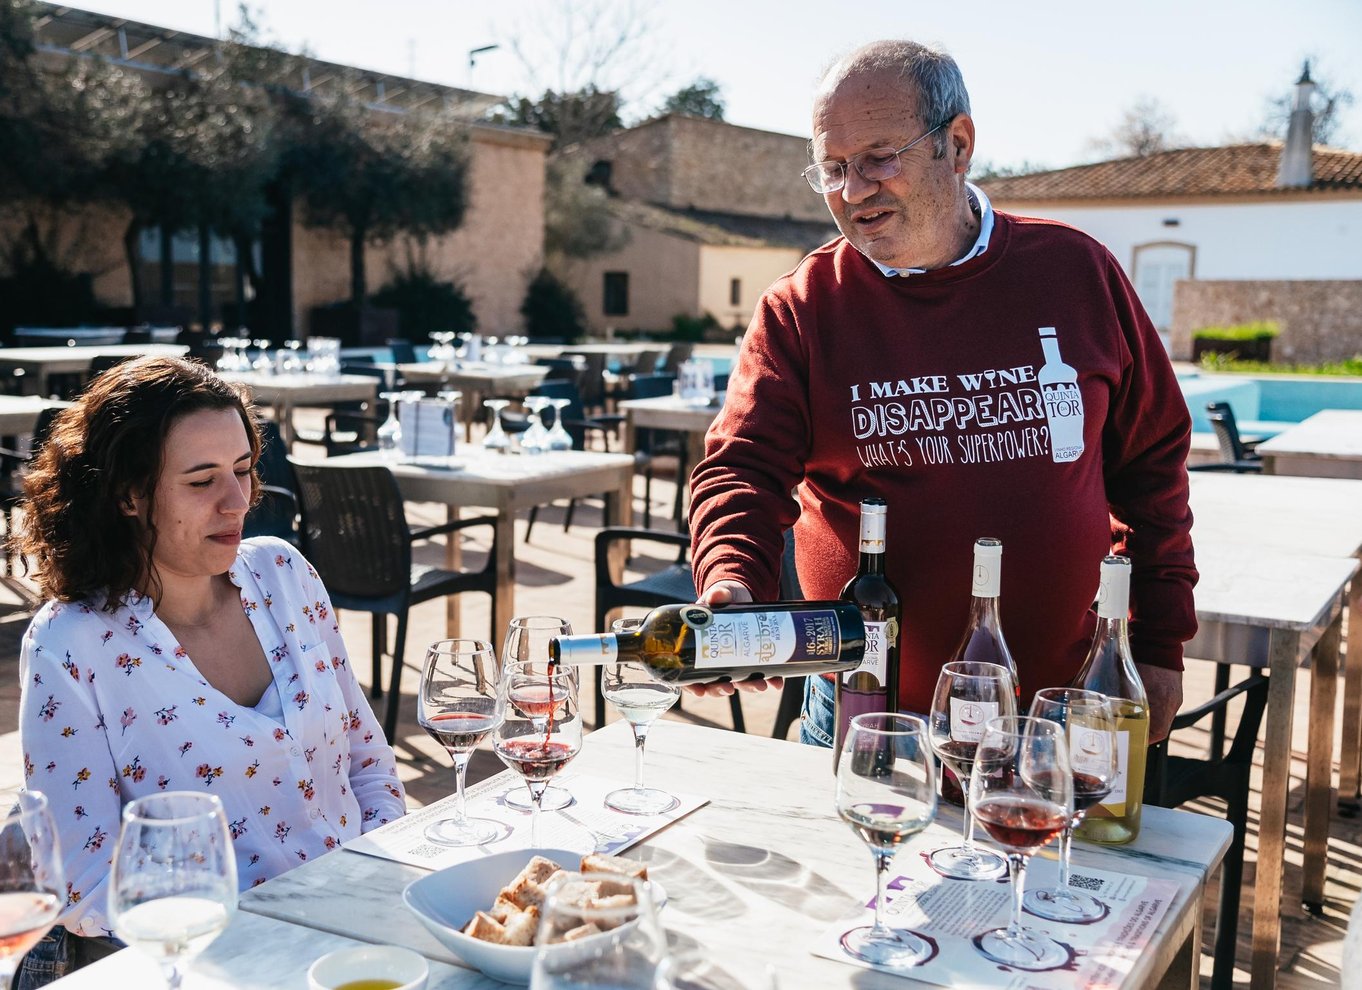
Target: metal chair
<point>672,583</point>
<point>1174,780</point>
<point>355,533</point>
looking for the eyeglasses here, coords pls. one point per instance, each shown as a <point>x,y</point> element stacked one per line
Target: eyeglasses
<point>875,165</point>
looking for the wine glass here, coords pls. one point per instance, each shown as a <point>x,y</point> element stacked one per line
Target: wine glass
<point>497,439</point>
<point>539,730</point>
<point>1022,792</point>
<point>173,884</point>
<point>558,438</point>
<point>886,792</point>
<point>626,953</point>
<point>1090,728</point>
<point>968,693</point>
<point>527,643</point>
<point>458,707</point>
<point>32,887</point>
<point>642,699</point>
<point>535,439</point>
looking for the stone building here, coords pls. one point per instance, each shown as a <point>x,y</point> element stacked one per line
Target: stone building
<point>492,255</point>
<point>714,214</point>
<point>1225,235</point>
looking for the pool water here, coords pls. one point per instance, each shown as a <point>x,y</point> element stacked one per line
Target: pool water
<point>1264,406</point>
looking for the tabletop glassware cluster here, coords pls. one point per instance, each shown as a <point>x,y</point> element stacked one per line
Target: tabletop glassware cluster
<point>455,349</point>
<point>1028,779</point>
<point>318,357</point>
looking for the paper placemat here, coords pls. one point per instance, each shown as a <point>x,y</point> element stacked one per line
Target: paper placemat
<point>586,825</point>
<point>950,913</point>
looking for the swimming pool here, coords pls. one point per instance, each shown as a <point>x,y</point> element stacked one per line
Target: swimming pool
<point>1266,405</point>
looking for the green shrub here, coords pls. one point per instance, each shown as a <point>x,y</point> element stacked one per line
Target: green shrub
<point>1348,367</point>
<point>692,327</point>
<point>426,305</point>
<point>1259,330</point>
<point>552,309</point>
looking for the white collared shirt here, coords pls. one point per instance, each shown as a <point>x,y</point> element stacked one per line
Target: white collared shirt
<point>978,201</point>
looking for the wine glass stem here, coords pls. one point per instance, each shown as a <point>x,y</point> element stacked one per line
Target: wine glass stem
<point>536,799</point>
<point>172,974</point>
<point>882,863</point>
<point>968,844</point>
<point>460,772</point>
<point>640,741</point>
<point>1016,866</point>
<point>1066,839</point>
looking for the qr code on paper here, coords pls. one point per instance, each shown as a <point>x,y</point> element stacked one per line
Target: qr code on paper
<point>1092,884</point>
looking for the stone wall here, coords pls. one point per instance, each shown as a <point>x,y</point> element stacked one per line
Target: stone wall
<point>1320,320</point>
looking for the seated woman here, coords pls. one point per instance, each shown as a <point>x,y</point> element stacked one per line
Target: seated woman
<point>173,655</point>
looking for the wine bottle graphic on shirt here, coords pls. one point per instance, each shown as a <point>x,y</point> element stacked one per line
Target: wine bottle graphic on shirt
<point>1063,401</point>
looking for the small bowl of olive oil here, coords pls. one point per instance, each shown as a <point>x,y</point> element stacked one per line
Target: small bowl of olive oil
<point>369,967</point>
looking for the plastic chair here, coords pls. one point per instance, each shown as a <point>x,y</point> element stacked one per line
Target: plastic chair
<point>355,533</point>
<point>276,514</point>
<point>403,351</point>
<point>1174,780</point>
<point>792,692</point>
<point>651,444</point>
<point>673,583</point>
<point>1236,455</point>
<point>350,427</point>
<point>12,463</point>
<point>575,421</point>
<point>677,354</point>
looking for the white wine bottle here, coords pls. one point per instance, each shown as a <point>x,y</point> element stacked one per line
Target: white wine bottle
<point>696,643</point>
<point>983,639</point>
<point>872,686</point>
<point>1110,670</point>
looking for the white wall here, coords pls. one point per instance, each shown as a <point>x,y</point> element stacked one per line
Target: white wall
<point>755,268</point>
<point>1319,239</point>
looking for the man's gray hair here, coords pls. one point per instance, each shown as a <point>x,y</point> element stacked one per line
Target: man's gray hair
<point>941,93</point>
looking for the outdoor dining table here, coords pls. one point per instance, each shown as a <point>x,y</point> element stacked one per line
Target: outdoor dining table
<point>34,364</point>
<point>508,483</point>
<point>753,877</point>
<point>475,381</point>
<point>1325,445</point>
<point>671,412</point>
<point>283,393</point>
<point>19,413</point>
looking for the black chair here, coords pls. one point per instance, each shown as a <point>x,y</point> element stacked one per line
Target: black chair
<point>677,354</point>
<point>575,421</point>
<point>350,427</point>
<point>1236,455</point>
<point>12,463</point>
<point>402,350</point>
<point>1174,780</point>
<point>617,386</point>
<point>652,444</point>
<point>355,533</point>
<point>276,514</point>
<point>668,585</point>
<point>792,693</point>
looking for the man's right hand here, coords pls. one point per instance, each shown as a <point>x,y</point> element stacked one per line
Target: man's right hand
<point>729,593</point>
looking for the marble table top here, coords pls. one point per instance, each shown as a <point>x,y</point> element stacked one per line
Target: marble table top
<point>306,388</point>
<point>61,359</point>
<point>755,875</point>
<point>668,412</point>
<point>19,413</point>
<point>1329,433</point>
<point>1318,516</point>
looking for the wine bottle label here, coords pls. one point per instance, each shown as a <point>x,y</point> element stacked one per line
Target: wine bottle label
<point>766,638</point>
<point>969,717</point>
<point>1116,800</point>
<point>876,659</point>
<point>1090,751</point>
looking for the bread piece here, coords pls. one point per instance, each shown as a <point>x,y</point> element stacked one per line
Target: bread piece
<point>524,893</point>
<point>521,929</point>
<point>485,928</point>
<point>611,886</point>
<point>601,863</point>
<point>581,931</point>
<point>539,869</point>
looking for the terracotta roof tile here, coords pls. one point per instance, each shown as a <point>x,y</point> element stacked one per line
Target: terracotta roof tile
<point>726,229</point>
<point>1233,170</point>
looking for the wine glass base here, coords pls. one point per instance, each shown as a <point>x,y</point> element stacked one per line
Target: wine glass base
<point>641,801</point>
<point>468,832</point>
<point>959,863</point>
<point>897,948</point>
<point>1027,949</point>
<point>555,799</point>
<point>1056,904</point>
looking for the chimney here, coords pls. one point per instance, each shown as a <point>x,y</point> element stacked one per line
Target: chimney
<point>1297,170</point>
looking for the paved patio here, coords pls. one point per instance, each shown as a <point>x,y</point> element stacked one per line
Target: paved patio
<point>555,576</point>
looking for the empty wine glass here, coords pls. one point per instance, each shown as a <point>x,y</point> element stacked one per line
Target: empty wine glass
<point>497,439</point>
<point>626,952</point>
<point>458,708</point>
<point>642,699</point>
<point>1090,729</point>
<point>558,438</point>
<point>173,883</point>
<point>539,732</point>
<point>886,792</point>
<point>527,642</point>
<point>968,693</point>
<point>32,887</point>
<point>264,362</point>
<point>535,439</point>
<point>1022,793</point>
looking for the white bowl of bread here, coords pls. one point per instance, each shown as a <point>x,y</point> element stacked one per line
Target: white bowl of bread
<point>486,911</point>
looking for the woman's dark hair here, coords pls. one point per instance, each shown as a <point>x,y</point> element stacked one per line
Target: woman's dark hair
<point>103,450</point>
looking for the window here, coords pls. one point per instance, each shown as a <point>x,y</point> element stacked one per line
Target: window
<point>735,292</point>
<point>616,302</point>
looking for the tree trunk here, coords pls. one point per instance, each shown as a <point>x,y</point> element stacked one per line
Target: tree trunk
<point>131,236</point>
<point>359,291</point>
<point>205,278</point>
<point>167,240</point>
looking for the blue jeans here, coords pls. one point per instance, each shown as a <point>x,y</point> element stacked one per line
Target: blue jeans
<point>817,720</point>
<point>59,953</point>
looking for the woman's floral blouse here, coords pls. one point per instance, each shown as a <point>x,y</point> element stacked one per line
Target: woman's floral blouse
<point>113,708</point>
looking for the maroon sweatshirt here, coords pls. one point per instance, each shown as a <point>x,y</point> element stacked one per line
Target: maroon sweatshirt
<point>936,393</point>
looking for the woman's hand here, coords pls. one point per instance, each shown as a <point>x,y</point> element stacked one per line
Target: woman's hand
<point>728,593</point>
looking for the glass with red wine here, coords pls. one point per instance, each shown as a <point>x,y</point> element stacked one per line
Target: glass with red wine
<point>968,694</point>
<point>1090,728</point>
<point>32,887</point>
<point>527,642</point>
<point>886,792</point>
<point>458,708</point>
<point>1021,789</point>
<point>539,729</point>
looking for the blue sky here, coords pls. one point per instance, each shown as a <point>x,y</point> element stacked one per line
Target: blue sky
<point>1044,77</point>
